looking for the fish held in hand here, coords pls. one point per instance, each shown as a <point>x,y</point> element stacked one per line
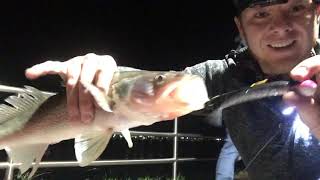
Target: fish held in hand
<point>32,119</point>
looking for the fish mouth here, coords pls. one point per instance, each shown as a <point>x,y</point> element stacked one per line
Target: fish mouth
<point>175,87</point>
<point>189,91</point>
<point>169,90</point>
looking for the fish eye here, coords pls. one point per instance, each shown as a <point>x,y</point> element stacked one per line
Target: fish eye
<point>159,78</point>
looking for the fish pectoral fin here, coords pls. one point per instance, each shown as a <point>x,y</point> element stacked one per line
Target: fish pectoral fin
<point>99,96</point>
<point>89,147</point>
<point>127,136</point>
<point>26,155</point>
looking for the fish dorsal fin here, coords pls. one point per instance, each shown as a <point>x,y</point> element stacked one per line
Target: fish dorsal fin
<point>127,136</point>
<point>90,146</point>
<point>19,107</point>
<point>26,155</point>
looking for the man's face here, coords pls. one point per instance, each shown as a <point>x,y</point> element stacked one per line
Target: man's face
<point>280,36</point>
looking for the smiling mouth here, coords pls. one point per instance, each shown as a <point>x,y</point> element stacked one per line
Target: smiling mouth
<point>282,44</point>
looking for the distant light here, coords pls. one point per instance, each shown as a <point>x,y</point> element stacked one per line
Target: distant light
<point>288,110</point>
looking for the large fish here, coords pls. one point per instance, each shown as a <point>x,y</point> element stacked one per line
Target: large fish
<point>31,119</point>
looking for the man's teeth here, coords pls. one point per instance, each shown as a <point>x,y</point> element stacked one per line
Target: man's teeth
<point>282,44</point>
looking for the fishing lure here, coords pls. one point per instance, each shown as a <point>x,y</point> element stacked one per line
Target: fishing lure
<point>259,90</point>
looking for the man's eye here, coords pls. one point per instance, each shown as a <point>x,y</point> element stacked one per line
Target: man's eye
<point>261,14</point>
<point>297,8</point>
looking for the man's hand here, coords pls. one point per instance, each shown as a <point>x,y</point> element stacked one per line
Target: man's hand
<point>90,68</point>
<point>307,106</point>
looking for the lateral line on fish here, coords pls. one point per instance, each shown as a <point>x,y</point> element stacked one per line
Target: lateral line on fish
<point>11,89</point>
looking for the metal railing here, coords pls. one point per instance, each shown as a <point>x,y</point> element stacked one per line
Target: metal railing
<point>9,166</point>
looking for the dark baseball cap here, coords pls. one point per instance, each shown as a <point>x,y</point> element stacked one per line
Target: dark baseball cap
<point>240,5</point>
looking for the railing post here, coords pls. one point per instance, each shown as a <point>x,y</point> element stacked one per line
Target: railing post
<point>9,170</point>
<point>175,149</point>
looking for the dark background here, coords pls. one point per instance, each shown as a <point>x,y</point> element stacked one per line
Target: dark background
<point>147,34</point>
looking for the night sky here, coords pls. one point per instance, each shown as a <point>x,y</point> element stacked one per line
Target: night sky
<point>146,34</point>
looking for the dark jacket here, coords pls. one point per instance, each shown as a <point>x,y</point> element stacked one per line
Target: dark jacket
<point>268,141</point>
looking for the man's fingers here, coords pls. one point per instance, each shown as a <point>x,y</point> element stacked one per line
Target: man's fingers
<point>308,107</point>
<point>48,67</point>
<point>308,110</point>
<point>104,77</point>
<point>91,68</point>
<point>316,95</point>
<point>72,76</point>
<point>74,67</point>
<point>294,99</point>
<point>73,103</point>
<point>86,102</point>
<point>317,77</point>
<point>306,69</point>
<point>86,105</point>
<point>107,67</point>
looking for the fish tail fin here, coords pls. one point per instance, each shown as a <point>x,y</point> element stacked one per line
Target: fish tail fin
<point>26,155</point>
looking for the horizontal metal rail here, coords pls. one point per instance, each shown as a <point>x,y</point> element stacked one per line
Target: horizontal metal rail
<point>169,134</point>
<point>174,160</point>
<point>49,164</point>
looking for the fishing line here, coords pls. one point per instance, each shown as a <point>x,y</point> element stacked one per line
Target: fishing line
<point>263,147</point>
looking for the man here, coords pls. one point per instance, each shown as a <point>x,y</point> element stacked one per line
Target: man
<point>229,154</point>
<point>226,160</point>
<point>281,37</point>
